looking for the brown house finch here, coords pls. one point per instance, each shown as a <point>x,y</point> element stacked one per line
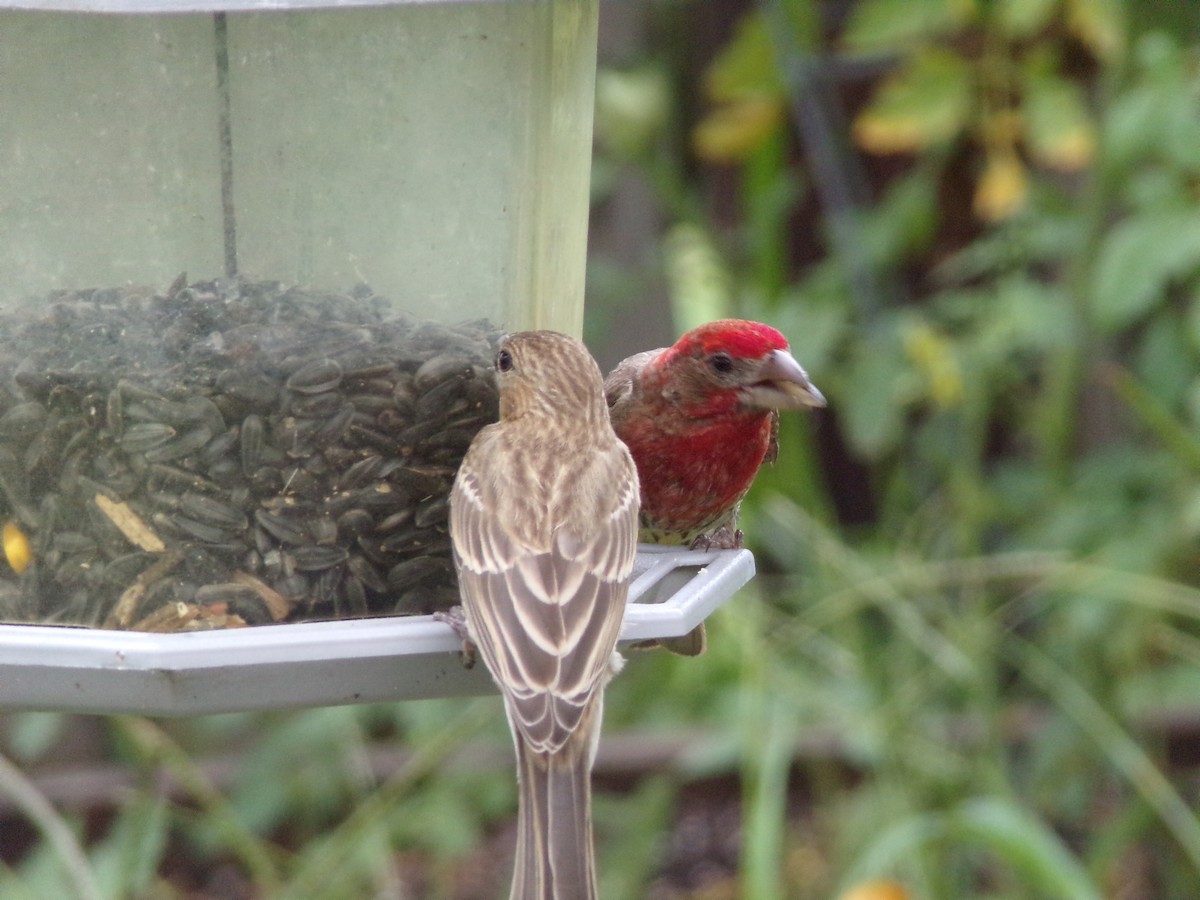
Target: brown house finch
<point>700,418</point>
<point>543,518</point>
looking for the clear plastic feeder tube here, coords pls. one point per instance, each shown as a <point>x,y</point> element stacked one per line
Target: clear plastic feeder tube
<point>254,258</point>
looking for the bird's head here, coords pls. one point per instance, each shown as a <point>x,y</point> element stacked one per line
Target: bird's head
<point>545,373</point>
<point>735,363</point>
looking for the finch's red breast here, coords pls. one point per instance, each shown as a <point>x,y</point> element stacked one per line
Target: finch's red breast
<point>691,484</point>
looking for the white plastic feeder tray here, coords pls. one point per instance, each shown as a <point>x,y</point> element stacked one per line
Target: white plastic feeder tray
<point>316,663</point>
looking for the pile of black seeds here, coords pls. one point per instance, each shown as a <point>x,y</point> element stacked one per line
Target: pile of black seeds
<point>231,452</point>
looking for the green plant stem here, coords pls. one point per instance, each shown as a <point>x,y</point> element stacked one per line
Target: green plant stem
<point>1123,751</point>
<point>880,590</point>
<point>156,747</point>
<point>820,122</point>
<point>766,759</point>
<point>664,168</point>
<point>1176,437</point>
<point>33,803</point>
<point>767,198</point>
<point>318,875</point>
<point>1067,371</point>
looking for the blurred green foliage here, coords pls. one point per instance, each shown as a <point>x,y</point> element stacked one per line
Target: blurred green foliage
<point>977,610</point>
<point>979,567</point>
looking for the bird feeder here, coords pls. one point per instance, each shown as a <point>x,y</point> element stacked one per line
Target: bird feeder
<point>254,259</point>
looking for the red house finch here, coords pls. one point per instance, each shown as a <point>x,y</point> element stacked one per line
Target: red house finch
<point>700,418</point>
<point>543,518</point>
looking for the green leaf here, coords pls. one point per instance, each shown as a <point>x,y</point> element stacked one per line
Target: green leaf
<point>1058,126</point>
<point>629,832</point>
<point>873,405</point>
<point>1181,135</point>
<point>746,66</point>
<point>13,887</point>
<point>1131,126</point>
<point>1122,750</point>
<point>1138,259</point>
<point>1027,314</point>
<point>1100,24</point>
<point>926,102</point>
<point>904,220</point>
<point>1165,361</point>
<point>814,326</point>
<point>1157,189</point>
<point>996,825</point>
<point>33,733</point>
<point>1028,845</point>
<point>700,283</point>
<point>1158,418</point>
<point>1157,116</point>
<point>128,857</point>
<point>887,24</point>
<point>41,873</point>
<point>1021,18</point>
<point>633,108</point>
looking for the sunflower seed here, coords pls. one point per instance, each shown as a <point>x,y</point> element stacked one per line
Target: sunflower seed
<point>281,528</point>
<point>316,377</point>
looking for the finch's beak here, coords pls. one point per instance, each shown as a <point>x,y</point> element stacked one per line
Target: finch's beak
<point>780,383</point>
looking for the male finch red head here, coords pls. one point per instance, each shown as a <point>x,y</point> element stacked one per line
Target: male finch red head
<point>543,519</point>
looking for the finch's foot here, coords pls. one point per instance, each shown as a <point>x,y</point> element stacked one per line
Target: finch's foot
<point>694,643</point>
<point>456,618</point>
<point>722,539</point>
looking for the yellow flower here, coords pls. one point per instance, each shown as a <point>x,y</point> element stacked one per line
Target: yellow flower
<point>1003,188</point>
<point>883,134</point>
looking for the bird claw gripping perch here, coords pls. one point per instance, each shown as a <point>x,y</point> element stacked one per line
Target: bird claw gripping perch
<point>456,618</point>
<point>723,538</point>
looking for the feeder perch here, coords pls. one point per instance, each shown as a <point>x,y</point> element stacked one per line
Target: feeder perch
<point>316,663</point>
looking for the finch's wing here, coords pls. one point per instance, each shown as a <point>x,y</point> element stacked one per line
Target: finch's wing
<point>773,441</point>
<point>546,620</point>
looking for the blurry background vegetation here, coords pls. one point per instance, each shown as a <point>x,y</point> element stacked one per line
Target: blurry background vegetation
<point>970,665</point>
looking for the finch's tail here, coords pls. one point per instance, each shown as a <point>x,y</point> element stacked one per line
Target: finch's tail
<point>554,859</point>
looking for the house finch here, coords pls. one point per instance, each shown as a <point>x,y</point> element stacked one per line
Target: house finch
<point>543,518</point>
<point>700,418</point>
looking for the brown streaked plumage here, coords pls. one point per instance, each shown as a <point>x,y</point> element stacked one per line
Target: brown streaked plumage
<point>543,518</point>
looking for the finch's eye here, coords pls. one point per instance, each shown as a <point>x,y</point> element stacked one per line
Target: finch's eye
<point>504,361</point>
<point>721,362</point>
